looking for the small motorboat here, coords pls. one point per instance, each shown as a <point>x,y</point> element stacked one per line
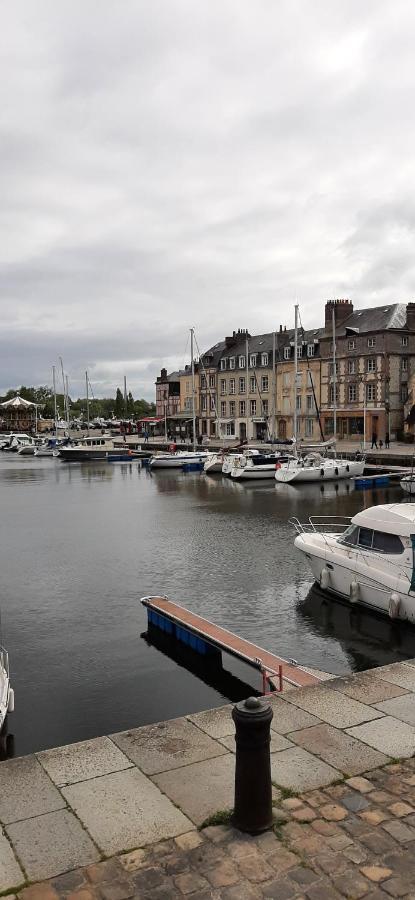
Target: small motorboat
<point>257,467</point>
<point>91,448</point>
<point>177,459</point>
<point>314,467</point>
<point>230,459</point>
<point>47,448</point>
<point>213,463</point>
<point>6,691</point>
<point>368,560</point>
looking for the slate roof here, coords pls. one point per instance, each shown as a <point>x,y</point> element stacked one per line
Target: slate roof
<point>377,318</point>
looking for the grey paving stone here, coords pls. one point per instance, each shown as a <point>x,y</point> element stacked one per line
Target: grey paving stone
<point>401,674</point>
<point>51,844</point>
<point>300,771</point>
<point>87,759</point>
<point>167,745</point>
<point>26,790</point>
<point>288,717</point>
<point>125,809</point>
<point>203,788</point>
<point>367,687</point>
<point>402,708</point>
<point>339,749</point>
<point>324,702</point>
<point>216,722</point>
<point>389,735</point>
<point>11,874</point>
<point>278,742</point>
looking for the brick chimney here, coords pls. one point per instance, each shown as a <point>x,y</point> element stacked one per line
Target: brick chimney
<point>410,316</point>
<point>342,310</point>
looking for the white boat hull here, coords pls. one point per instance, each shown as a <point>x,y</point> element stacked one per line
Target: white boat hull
<point>408,484</point>
<point>253,473</point>
<point>329,470</point>
<point>213,464</point>
<point>176,461</point>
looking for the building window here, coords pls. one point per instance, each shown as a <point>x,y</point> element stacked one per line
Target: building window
<point>287,352</point>
<point>351,345</point>
<point>264,384</point>
<point>404,364</point>
<point>370,392</point>
<point>310,349</point>
<point>310,403</point>
<point>242,408</point>
<point>242,362</point>
<point>230,429</point>
<point>252,406</point>
<point>331,368</point>
<point>371,342</point>
<point>298,402</point>
<point>404,340</point>
<point>352,393</point>
<point>331,394</point>
<point>212,403</point>
<point>351,366</point>
<point>252,360</point>
<point>371,364</point>
<point>232,408</point>
<point>203,400</point>
<point>265,407</point>
<point>203,382</point>
<point>223,386</point>
<point>287,379</point>
<point>298,426</point>
<point>223,364</point>
<point>223,409</point>
<point>309,425</point>
<point>299,351</point>
<point>252,384</point>
<point>231,362</point>
<point>264,359</point>
<point>242,385</point>
<point>404,393</point>
<point>212,381</point>
<point>231,385</point>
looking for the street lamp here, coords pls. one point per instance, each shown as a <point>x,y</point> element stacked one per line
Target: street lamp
<point>363,381</point>
<point>165,416</point>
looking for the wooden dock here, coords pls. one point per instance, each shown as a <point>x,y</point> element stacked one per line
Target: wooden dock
<point>175,619</point>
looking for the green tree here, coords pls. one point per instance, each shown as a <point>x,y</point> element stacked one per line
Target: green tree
<point>119,404</point>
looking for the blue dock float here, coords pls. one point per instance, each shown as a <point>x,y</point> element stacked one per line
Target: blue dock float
<point>193,466</point>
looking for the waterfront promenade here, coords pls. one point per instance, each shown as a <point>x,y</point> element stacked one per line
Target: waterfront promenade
<point>132,815</point>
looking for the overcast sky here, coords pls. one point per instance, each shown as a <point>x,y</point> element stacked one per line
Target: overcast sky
<point>177,163</point>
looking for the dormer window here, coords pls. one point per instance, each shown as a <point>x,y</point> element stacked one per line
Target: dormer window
<point>264,359</point>
<point>351,344</point>
<point>231,362</point>
<point>310,349</point>
<point>299,351</point>
<point>223,364</point>
<point>252,360</point>
<point>241,362</point>
<point>287,352</point>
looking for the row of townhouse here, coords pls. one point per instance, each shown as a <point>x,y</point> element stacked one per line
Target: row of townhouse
<point>244,385</point>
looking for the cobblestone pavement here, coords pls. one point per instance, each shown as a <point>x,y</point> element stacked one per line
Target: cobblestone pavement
<point>353,839</point>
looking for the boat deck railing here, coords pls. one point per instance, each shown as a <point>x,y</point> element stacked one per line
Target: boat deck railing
<point>321,524</point>
<point>4,660</point>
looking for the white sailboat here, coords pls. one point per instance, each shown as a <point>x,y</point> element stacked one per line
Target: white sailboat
<point>256,467</point>
<point>6,691</point>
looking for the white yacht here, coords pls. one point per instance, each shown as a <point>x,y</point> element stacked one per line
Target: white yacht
<point>6,691</point>
<point>17,440</point>
<point>257,467</point>
<point>368,560</point>
<point>177,459</point>
<point>230,459</point>
<point>315,467</point>
<point>90,448</point>
<point>214,462</point>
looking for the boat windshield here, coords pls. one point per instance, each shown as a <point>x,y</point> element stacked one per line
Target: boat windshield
<point>368,539</point>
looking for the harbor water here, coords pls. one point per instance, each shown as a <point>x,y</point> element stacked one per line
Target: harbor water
<point>82,543</point>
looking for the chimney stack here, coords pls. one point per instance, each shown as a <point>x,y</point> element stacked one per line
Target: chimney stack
<point>342,310</point>
<point>410,316</point>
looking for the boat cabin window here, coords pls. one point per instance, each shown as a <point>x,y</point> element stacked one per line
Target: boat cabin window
<point>380,541</point>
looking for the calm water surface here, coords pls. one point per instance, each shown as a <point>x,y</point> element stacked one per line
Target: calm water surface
<point>81,544</point>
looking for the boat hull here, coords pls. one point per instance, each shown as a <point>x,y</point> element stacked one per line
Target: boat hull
<point>343,469</point>
<point>176,462</point>
<point>253,473</point>
<point>408,485</point>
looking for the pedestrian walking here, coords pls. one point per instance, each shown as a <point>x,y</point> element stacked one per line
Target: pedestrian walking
<point>380,444</point>
<point>374,440</point>
<point>387,440</point>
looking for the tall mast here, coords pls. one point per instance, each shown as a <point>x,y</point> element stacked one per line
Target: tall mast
<point>64,390</point>
<point>295,370</point>
<point>273,385</point>
<point>247,381</point>
<point>54,400</point>
<point>125,397</point>
<point>67,404</point>
<point>87,401</point>
<point>193,389</point>
<point>334,374</point>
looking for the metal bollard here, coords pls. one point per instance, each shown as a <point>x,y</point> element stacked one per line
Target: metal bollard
<point>253,790</point>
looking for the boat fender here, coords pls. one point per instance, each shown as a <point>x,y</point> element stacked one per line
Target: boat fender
<point>394,605</point>
<point>324,578</point>
<point>10,707</point>
<point>336,471</point>
<point>277,465</point>
<point>321,473</point>
<point>354,591</point>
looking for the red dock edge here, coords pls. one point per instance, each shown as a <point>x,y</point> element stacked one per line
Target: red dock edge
<point>268,664</point>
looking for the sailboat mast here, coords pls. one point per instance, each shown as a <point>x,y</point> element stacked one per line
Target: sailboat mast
<point>193,389</point>
<point>334,375</point>
<point>247,382</point>
<point>295,369</point>
<point>67,404</point>
<point>125,397</point>
<point>54,400</point>
<point>64,391</point>
<point>87,401</point>
<point>274,387</point>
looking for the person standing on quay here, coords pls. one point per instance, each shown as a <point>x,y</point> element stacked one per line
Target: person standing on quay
<point>387,440</point>
<point>374,440</point>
